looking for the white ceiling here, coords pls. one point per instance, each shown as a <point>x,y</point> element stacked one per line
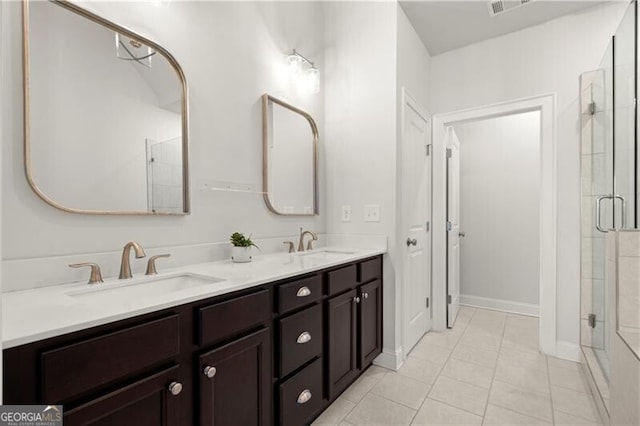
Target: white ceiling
<point>447,25</point>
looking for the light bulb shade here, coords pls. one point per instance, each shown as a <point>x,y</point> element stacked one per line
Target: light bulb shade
<point>294,63</point>
<point>313,79</point>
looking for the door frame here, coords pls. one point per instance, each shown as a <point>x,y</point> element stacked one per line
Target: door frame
<point>546,104</point>
<point>446,218</point>
<point>409,101</point>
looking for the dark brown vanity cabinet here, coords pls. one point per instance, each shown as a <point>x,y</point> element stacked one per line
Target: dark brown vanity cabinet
<point>354,317</point>
<point>273,354</point>
<point>235,382</point>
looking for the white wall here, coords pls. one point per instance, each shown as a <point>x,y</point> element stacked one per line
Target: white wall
<point>547,58</point>
<point>500,209</point>
<point>233,54</point>
<point>361,133</point>
<point>367,68</point>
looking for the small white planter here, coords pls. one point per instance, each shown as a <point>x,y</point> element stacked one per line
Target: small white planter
<point>241,254</point>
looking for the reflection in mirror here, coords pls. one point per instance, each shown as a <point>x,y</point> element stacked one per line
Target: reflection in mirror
<point>290,159</point>
<point>105,115</point>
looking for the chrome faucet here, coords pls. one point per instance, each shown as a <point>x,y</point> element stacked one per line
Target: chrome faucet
<point>125,266</point>
<point>314,237</point>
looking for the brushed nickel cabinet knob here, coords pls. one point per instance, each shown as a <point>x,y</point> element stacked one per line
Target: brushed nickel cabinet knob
<point>175,388</point>
<point>210,372</point>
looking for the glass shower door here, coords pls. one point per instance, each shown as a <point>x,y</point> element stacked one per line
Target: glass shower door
<point>598,214</point>
<point>609,185</point>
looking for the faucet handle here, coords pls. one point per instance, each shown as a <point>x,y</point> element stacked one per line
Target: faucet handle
<point>291,246</point>
<point>96,275</point>
<point>151,264</point>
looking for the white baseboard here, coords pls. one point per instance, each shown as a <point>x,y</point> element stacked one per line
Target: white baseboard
<point>500,305</point>
<point>568,350</point>
<point>390,359</point>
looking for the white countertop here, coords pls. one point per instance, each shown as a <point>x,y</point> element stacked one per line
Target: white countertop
<point>41,313</point>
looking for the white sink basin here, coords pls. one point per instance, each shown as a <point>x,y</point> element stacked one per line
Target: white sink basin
<point>141,288</point>
<point>326,254</point>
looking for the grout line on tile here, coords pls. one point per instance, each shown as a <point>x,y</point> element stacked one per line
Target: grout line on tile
<point>553,415</point>
<point>598,421</point>
<point>396,402</point>
<point>495,368</point>
<point>452,406</point>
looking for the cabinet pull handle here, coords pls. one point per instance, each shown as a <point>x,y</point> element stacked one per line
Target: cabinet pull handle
<point>304,396</point>
<point>210,371</point>
<point>175,388</point>
<point>356,299</point>
<point>303,292</point>
<point>365,295</point>
<point>304,337</point>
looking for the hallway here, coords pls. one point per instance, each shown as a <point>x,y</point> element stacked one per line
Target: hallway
<point>485,371</point>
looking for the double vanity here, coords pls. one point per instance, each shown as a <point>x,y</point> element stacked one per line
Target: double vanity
<point>273,341</point>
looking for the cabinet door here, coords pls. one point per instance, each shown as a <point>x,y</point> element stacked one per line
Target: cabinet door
<point>342,340</point>
<point>370,335</point>
<point>238,391</point>
<point>148,402</point>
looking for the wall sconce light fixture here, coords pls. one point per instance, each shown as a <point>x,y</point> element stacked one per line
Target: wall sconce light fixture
<point>295,62</point>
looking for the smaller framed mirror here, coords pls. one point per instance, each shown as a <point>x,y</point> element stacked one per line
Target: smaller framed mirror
<point>290,159</point>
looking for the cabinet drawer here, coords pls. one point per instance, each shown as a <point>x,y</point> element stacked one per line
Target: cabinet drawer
<point>71,370</point>
<point>369,270</point>
<point>300,338</point>
<point>341,279</point>
<point>301,396</point>
<point>147,402</point>
<point>234,316</point>
<point>299,293</point>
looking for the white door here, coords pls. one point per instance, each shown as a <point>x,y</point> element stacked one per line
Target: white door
<point>415,215</point>
<point>453,227</point>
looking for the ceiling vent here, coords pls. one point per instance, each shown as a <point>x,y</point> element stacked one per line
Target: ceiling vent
<point>497,7</point>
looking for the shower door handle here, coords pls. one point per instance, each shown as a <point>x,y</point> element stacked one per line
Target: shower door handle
<point>599,211</point>
<point>624,211</point>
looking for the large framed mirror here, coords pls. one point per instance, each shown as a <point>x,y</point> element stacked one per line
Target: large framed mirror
<point>105,115</point>
<point>290,159</point>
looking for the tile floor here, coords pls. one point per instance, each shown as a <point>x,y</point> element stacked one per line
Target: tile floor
<point>485,371</point>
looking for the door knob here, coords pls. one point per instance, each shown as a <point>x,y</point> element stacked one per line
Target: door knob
<point>461,234</point>
<point>412,242</point>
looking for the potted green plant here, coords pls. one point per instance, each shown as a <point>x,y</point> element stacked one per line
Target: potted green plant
<point>241,250</point>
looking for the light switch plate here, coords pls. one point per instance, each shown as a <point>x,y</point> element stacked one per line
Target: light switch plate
<point>372,213</point>
<point>307,210</point>
<point>346,213</point>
